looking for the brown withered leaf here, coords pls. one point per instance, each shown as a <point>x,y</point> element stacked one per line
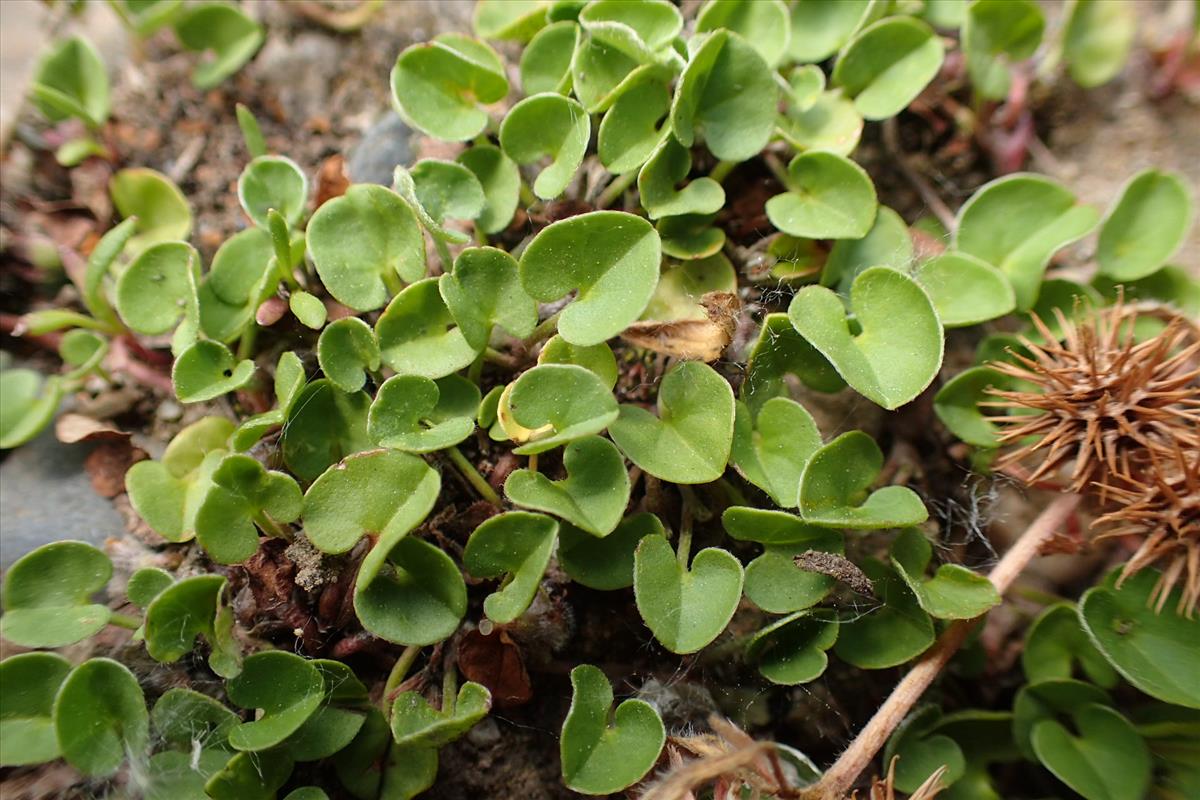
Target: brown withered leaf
<point>694,339</point>
<point>107,464</point>
<point>495,661</point>
<point>331,179</point>
<point>71,428</point>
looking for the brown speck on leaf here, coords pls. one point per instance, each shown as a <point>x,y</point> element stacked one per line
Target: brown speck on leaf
<point>837,567</point>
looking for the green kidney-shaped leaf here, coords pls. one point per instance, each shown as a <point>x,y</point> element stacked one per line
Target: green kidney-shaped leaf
<point>891,634</point>
<point>558,403</point>
<point>546,60</point>
<point>100,717</point>
<point>162,211</point>
<point>667,166</point>
<point>547,125</point>
<point>72,81</point>
<point>500,179</point>
<point>418,600</point>
<point>834,488</point>
<point>403,417</point>
<point>419,336</point>
<point>1153,650</point>
<point>832,123</point>
<point>996,33</point>
<point>346,350</point>
<point>690,439</point>
<point>154,290</point>
<point>27,404</point>
<point>483,291</point>
<point>226,31</point>
<point>382,492</point>
<point>599,758</point>
<point>249,776</point>
<point>179,614</point>
<point>605,563</point>
<point>821,27</point>
<point>886,65</point>
<point>771,449</point>
<point>323,426</point>
<point>1145,227</point>
<point>183,715</point>
<point>31,681</point>
<point>764,24</point>
<point>516,544</point>
<point>273,182</point>
<point>416,724</point>
<point>285,686</point>
<point>360,242</point>
<point>244,494</point>
<point>47,595</point>
<point>957,405</point>
<point>439,86</point>
<point>207,370</point>
<point>828,197</point>
<point>1106,760</point>
<point>965,290</point>
<point>954,592</point>
<point>442,190</point>
<point>612,258</point>
<point>781,350</point>
<point>726,96</point>
<point>777,585</point>
<point>886,368</point>
<point>1056,643</point>
<point>597,358</point>
<point>1097,40</point>
<point>1017,223</point>
<point>594,494</point>
<point>506,19</point>
<point>634,126</point>
<point>887,244</point>
<point>685,608</point>
<point>792,650</point>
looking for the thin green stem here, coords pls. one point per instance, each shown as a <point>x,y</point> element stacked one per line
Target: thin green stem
<point>722,170</point>
<point>272,528</point>
<point>777,169</point>
<point>683,547</point>
<point>392,281</point>
<point>616,189</point>
<point>449,688</point>
<point>246,340</point>
<point>472,475</point>
<point>545,329</point>
<point>527,197</point>
<point>443,251</point>
<point>533,462</point>
<point>496,357</point>
<point>399,672</point>
<point>124,621</point>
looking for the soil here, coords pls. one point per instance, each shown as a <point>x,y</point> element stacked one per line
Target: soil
<point>318,96</point>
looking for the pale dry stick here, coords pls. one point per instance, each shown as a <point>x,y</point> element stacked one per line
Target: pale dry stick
<point>841,776</point>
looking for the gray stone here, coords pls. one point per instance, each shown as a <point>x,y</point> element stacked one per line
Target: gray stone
<point>384,146</point>
<point>46,496</point>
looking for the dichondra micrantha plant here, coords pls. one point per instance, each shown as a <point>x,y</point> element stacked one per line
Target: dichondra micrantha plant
<point>553,370</point>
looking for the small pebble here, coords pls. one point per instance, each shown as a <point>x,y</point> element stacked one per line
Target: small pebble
<point>169,411</point>
<point>485,734</point>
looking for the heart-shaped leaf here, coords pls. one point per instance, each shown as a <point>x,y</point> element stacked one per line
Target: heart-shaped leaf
<point>334,725</point>
<point>1046,700</point>
<point>547,125</point>
<point>965,290</point>
<point>685,608</point>
<point>828,197</point>
<point>922,750</point>
<point>995,34</point>
<point>346,350</point>
<point>768,527</point>
<point>439,86</point>
<point>182,715</point>
<point>100,717</point>
<point>178,775</point>
<point>546,60</point>
<point>557,404</point>
<point>483,291</point>
<point>273,182</point>
<point>764,24</point>
<point>597,358</point>
<point>689,237</point>
<point>594,494</point>
<point>727,97</point>
<point>653,24</point>
<point>183,611</point>
<point>360,242</point>
<point>27,404</point>
<point>887,369</point>
<point>47,595</point>
<point>419,336</point>
<point>416,724</point>
<point>599,758</point>
<point>243,495</point>
<point>518,545</point>
<point>1107,760</point>
<point>154,291</point>
<point>249,776</point>
<point>835,484</point>
<point>289,380</point>
<point>805,85</point>
<point>371,760</point>
<point>420,597</point>
<point>667,166</point>
<point>31,681</point>
<point>442,190</point>
<point>891,634</point>
<point>780,350</point>
<point>635,125</point>
<point>690,439</point>
<point>402,417</point>
<point>776,584</point>
<point>381,492</point>
<point>619,44</point>
<point>1097,39</point>
<point>1056,643</point>
<point>792,650</point>
<point>235,283</point>
<point>954,592</point>
<point>610,257</point>
<point>1145,227</point>
<point>146,584</point>
<point>505,19</point>
<point>771,449</point>
<point>1150,648</point>
<point>605,563</point>
<point>886,65</point>
<point>207,370</point>
<point>72,81</point>
<point>168,493</point>
<point>501,183</point>
<point>821,27</point>
<point>957,405</point>
<point>288,690</point>
<point>1017,223</point>
<point>887,244</point>
<point>232,37</point>
<point>162,211</point>
<point>323,426</point>
<point>831,124</point>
